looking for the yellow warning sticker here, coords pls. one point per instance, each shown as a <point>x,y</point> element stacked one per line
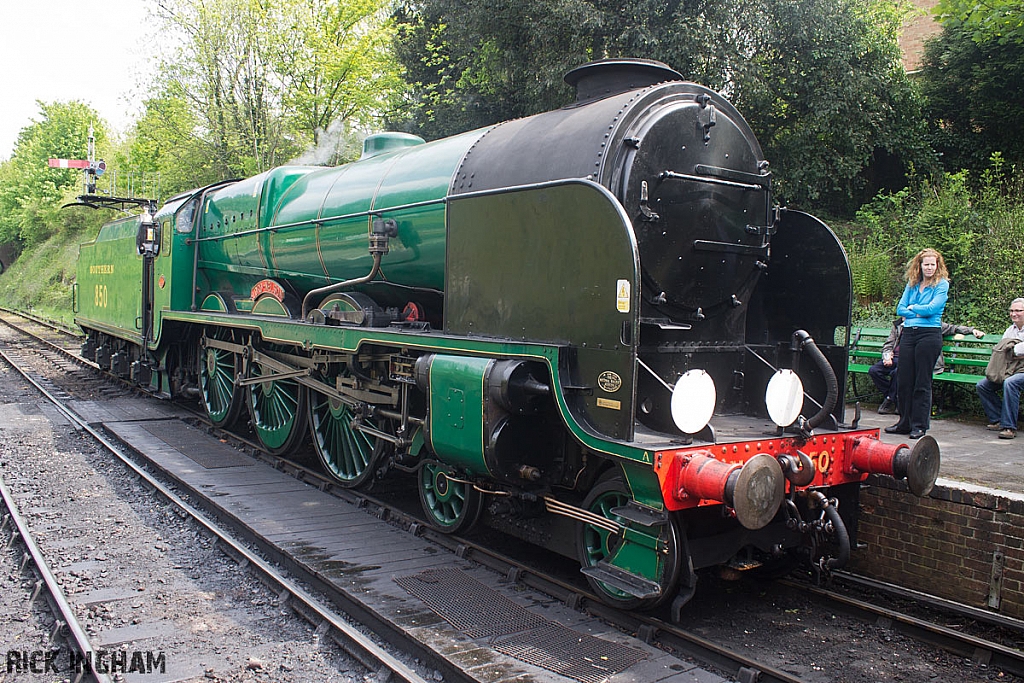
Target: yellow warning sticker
<point>622,296</point>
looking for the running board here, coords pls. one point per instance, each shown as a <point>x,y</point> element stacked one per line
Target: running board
<point>620,579</point>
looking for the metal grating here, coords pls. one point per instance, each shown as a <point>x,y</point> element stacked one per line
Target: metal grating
<point>481,612</point>
<point>574,655</point>
<point>193,444</point>
<point>467,604</point>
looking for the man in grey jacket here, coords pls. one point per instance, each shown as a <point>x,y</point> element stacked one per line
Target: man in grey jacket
<point>1002,414</point>
<point>883,372</point>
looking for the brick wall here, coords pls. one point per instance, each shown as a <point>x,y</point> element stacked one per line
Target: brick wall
<point>950,544</point>
<point>919,26</point>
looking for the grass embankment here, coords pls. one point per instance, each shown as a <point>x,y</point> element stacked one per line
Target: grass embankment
<point>42,278</point>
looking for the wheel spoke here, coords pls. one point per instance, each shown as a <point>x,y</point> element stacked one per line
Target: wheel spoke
<point>277,411</point>
<point>217,369</point>
<point>450,505</point>
<point>348,454</point>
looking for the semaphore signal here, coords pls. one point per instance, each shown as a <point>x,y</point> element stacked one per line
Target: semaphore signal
<point>96,166</point>
<point>91,170</point>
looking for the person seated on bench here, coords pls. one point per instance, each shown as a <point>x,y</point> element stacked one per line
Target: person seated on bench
<point>1006,368</point>
<point>883,372</point>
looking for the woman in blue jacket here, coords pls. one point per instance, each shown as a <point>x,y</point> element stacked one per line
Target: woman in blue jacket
<point>922,303</point>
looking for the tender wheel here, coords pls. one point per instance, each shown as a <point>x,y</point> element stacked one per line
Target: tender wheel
<point>217,372</point>
<point>347,454</point>
<point>451,505</point>
<point>594,544</point>
<point>277,409</point>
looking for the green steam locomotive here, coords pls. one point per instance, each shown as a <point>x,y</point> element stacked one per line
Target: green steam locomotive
<point>589,327</point>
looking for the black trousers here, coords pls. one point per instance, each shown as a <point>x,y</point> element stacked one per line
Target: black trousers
<point>886,379</point>
<point>919,349</point>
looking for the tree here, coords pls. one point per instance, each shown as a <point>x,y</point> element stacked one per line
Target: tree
<point>220,68</point>
<point>1001,21</point>
<point>829,99</point>
<point>820,81</point>
<point>336,68</point>
<point>261,80</point>
<point>975,98</point>
<point>166,151</point>
<point>475,63</point>
<point>30,192</point>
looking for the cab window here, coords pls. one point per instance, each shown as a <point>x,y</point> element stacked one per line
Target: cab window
<point>165,235</point>
<point>185,218</point>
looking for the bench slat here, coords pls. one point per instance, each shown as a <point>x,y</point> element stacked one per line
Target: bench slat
<point>958,377</point>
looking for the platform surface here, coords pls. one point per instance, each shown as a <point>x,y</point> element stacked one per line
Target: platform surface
<point>971,455</point>
<point>403,578</point>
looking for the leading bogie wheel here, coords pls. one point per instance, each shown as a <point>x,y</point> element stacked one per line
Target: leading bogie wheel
<point>218,370</point>
<point>277,410</point>
<point>594,543</point>
<point>451,504</point>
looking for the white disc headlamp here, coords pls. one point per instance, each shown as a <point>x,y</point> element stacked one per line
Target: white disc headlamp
<point>784,397</point>
<point>693,401</point>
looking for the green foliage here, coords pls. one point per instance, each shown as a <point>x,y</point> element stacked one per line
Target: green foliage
<point>475,63</point>
<point>948,222</point>
<point>996,275</point>
<point>871,264</point>
<point>1001,21</point>
<point>820,81</point>
<point>166,144</point>
<point>980,233</point>
<point>335,65</point>
<point>42,278</point>
<point>219,68</point>
<point>975,98</point>
<point>31,193</point>
<point>831,104</point>
<point>250,85</point>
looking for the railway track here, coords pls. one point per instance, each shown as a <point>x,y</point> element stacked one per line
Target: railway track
<point>934,627</point>
<point>56,327</point>
<point>66,624</point>
<point>327,620</point>
<point>654,631</point>
<point>448,671</point>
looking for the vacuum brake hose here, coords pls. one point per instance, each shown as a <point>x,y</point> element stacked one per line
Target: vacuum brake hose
<point>803,342</point>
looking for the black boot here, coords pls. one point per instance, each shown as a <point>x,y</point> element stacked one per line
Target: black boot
<point>888,407</point>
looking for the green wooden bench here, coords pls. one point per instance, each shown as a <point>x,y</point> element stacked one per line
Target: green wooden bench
<point>965,355</point>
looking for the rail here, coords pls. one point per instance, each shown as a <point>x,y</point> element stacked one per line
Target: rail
<point>352,640</point>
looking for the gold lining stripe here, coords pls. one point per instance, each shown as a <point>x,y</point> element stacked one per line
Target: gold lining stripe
<point>319,253</point>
